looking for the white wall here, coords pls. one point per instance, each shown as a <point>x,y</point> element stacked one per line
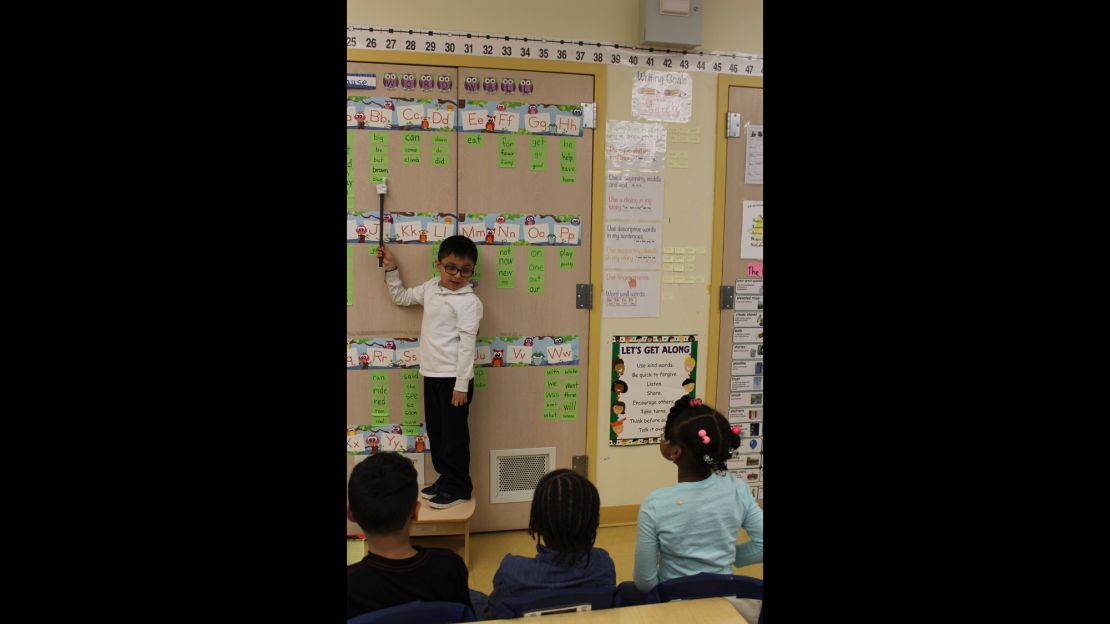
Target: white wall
<point>624,475</point>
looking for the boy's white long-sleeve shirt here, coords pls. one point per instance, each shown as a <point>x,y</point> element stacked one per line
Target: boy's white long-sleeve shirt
<point>448,330</point>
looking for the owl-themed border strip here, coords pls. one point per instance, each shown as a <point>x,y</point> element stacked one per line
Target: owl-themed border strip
<point>441,83</point>
<point>380,353</point>
<point>372,439</point>
<point>463,115</point>
<point>428,228</point>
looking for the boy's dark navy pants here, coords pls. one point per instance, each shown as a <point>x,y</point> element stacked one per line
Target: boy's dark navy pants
<point>449,435</point>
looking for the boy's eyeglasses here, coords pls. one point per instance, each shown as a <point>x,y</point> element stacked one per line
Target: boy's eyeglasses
<point>453,270</point>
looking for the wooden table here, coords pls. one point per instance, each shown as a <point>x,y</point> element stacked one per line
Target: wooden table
<point>432,522</point>
<point>702,611</point>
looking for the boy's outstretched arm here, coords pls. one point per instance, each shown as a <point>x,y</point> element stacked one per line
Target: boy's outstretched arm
<point>401,296</point>
<point>388,263</point>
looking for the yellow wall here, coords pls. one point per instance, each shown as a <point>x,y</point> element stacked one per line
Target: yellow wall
<point>625,475</point>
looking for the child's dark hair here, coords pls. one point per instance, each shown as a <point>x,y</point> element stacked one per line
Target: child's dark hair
<point>686,418</point>
<point>620,382</point>
<point>381,492</point>
<point>565,513</point>
<point>458,246</point>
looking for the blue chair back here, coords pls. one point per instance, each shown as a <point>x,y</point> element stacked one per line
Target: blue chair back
<point>707,585</point>
<point>418,612</point>
<point>555,601</point>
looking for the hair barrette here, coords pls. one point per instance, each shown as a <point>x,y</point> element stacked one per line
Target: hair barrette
<point>704,438</point>
<point>707,459</point>
<point>696,403</point>
<point>736,430</point>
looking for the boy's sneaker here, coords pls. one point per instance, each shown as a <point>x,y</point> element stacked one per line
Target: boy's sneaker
<point>430,491</point>
<point>443,500</point>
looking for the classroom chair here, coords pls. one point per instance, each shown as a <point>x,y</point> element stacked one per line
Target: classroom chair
<point>744,592</point>
<point>556,601</point>
<point>707,585</point>
<point>418,612</point>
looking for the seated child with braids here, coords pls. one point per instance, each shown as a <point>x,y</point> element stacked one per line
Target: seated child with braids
<point>692,526</point>
<point>565,512</point>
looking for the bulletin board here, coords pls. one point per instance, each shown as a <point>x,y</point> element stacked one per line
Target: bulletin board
<point>736,334</point>
<point>526,196</point>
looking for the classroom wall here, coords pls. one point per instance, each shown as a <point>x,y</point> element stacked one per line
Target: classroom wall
<point>688,215</point>
<point>727,25</point>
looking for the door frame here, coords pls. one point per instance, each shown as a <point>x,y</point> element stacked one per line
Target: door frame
<point>713,346</point>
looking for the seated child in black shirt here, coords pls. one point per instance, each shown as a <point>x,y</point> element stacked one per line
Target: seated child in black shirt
<point>382,500</point>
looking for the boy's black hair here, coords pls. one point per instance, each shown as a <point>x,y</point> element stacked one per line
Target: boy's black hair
<point>565,514</point>
<point>381,492</point>
<point>621,382</point>
<point>683,423</point>
<point>458,246</point>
